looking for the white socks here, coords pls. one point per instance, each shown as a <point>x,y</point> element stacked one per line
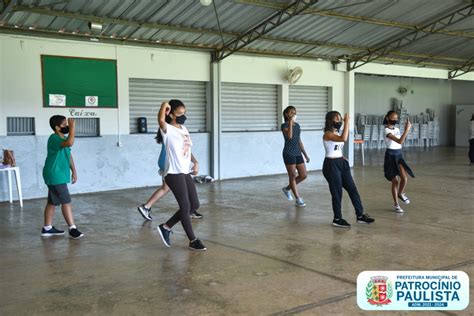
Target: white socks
<point>48,227</point>
<point>72,227</point>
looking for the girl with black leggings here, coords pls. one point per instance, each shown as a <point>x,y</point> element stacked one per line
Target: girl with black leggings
<point>178,145</point>
<point>337,171</point>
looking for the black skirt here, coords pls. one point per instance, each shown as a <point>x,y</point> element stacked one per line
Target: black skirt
<point>392,162</point>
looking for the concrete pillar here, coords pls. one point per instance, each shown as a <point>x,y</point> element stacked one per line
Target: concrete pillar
<point>349,95</point>
<point>215,119</point>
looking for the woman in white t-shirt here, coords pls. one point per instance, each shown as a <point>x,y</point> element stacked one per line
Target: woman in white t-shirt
<point>394,164</point>
<point>337,171</point>
<point>177,170</point>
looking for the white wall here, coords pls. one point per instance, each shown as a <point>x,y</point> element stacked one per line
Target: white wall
<point>373,95</point>
<point>463,92</point>
<point>101,164</point>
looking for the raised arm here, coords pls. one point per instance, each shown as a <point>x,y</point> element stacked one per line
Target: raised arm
<point>70,138</point>
<point>288,131</point>
<point>164,111</point>
<point>401,140</point>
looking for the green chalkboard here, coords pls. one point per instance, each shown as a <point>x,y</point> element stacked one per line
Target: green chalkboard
<point>79,82</point>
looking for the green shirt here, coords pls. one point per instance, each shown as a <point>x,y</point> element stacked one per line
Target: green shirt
<point>57,166</point>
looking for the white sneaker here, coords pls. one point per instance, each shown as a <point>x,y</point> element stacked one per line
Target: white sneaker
<point>404,198</point>
<point>300,202</point>
<point>287,193</point>
<point>397,209</point>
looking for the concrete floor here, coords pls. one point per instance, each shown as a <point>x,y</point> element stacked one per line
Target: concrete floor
<point>265,256</point>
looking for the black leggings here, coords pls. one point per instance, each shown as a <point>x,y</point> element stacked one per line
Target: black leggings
<point>184,190</point>
<point>471,150</point>
<point>338,175</point>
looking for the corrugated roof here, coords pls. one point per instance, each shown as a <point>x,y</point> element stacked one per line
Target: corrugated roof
<point>329,29</point>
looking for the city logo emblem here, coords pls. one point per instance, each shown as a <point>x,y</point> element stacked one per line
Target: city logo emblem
<point>379,291</point>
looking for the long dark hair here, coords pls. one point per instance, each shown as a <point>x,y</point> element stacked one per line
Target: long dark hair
<point>329,125</point>
<point>385,119</point>
<point>286,111</point>
<point>174,104</point>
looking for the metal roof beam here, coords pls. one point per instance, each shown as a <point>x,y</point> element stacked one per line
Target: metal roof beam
<point>464,69</point>
<point>275,20</point>
<point>6,8</point>
<point>190,46</point>
<point>355,18</point>
<point>160,26</point>
<point>406,39</point>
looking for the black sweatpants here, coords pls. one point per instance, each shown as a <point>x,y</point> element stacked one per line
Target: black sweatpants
<point>471,150</point>
<point>184,190</point>
<point>338,175</point>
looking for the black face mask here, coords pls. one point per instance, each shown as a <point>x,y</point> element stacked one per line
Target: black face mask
<point>181,119</point>
<point>337,125</point>
<point>393,122</point>
<point>65,130</point>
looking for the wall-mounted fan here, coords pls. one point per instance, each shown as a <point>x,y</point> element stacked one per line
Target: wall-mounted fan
<point>294,75</point>
<point>402,90</point>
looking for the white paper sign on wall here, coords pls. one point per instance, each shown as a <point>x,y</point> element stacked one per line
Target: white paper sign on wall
<point>92,100</point>
<point>57,100</point>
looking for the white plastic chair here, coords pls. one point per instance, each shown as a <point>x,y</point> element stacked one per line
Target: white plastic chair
<point>9,171</point>
<point>366,135</point>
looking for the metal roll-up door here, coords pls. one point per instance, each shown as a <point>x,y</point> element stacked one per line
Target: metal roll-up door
<point>311,104</point>
<point>146,96</point>
<point>249,107</point>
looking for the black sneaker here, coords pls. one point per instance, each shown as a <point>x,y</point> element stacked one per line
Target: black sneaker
<point>75,233</point>
<point>196,215</point>
<point>165,235</point>
<point>145,212</point>
<point>52,232</point>
<point>197,245</point>
<point>341,223</point>
<point>365,219</point>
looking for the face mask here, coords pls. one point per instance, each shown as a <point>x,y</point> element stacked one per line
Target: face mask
<point>393,122</point>
<point>65,130</point>
<point>337,125</point>
<point>181,119</point>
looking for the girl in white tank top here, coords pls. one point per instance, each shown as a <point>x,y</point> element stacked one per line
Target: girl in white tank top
<point>337,171</point>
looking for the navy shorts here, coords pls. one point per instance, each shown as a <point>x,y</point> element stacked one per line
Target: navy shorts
<point>293,160</point>
<point>58,194</point>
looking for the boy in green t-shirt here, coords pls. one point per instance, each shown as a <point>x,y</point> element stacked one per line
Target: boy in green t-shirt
<point>57,174</point>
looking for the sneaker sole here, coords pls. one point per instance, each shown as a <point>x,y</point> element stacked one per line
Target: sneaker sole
<point>340,226</point>
<point>78,237</point>
<point>197,217</point>
<point>362,222</point>
<point>398,211</point>
<point>143,214</point>
<point>297,205</point>
<point>52,235</point>
<point>163,238</point>
<point>194,249</point>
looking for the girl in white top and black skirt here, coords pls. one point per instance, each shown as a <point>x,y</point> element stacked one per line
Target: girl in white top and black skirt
<point>177,171</point>
<point>394,165</point>
<point>337,171</point>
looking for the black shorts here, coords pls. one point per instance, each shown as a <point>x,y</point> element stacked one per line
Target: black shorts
<point>293,160</point>
<point>58,194</point>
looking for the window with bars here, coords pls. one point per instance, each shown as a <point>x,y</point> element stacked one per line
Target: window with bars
<point>20,126</point>
<point>87,126</point>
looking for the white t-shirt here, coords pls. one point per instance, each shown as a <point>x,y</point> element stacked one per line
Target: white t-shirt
<point>333,149</point>
<point>390,143</point>
<point>472,130</point>
<point>178,150</point>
